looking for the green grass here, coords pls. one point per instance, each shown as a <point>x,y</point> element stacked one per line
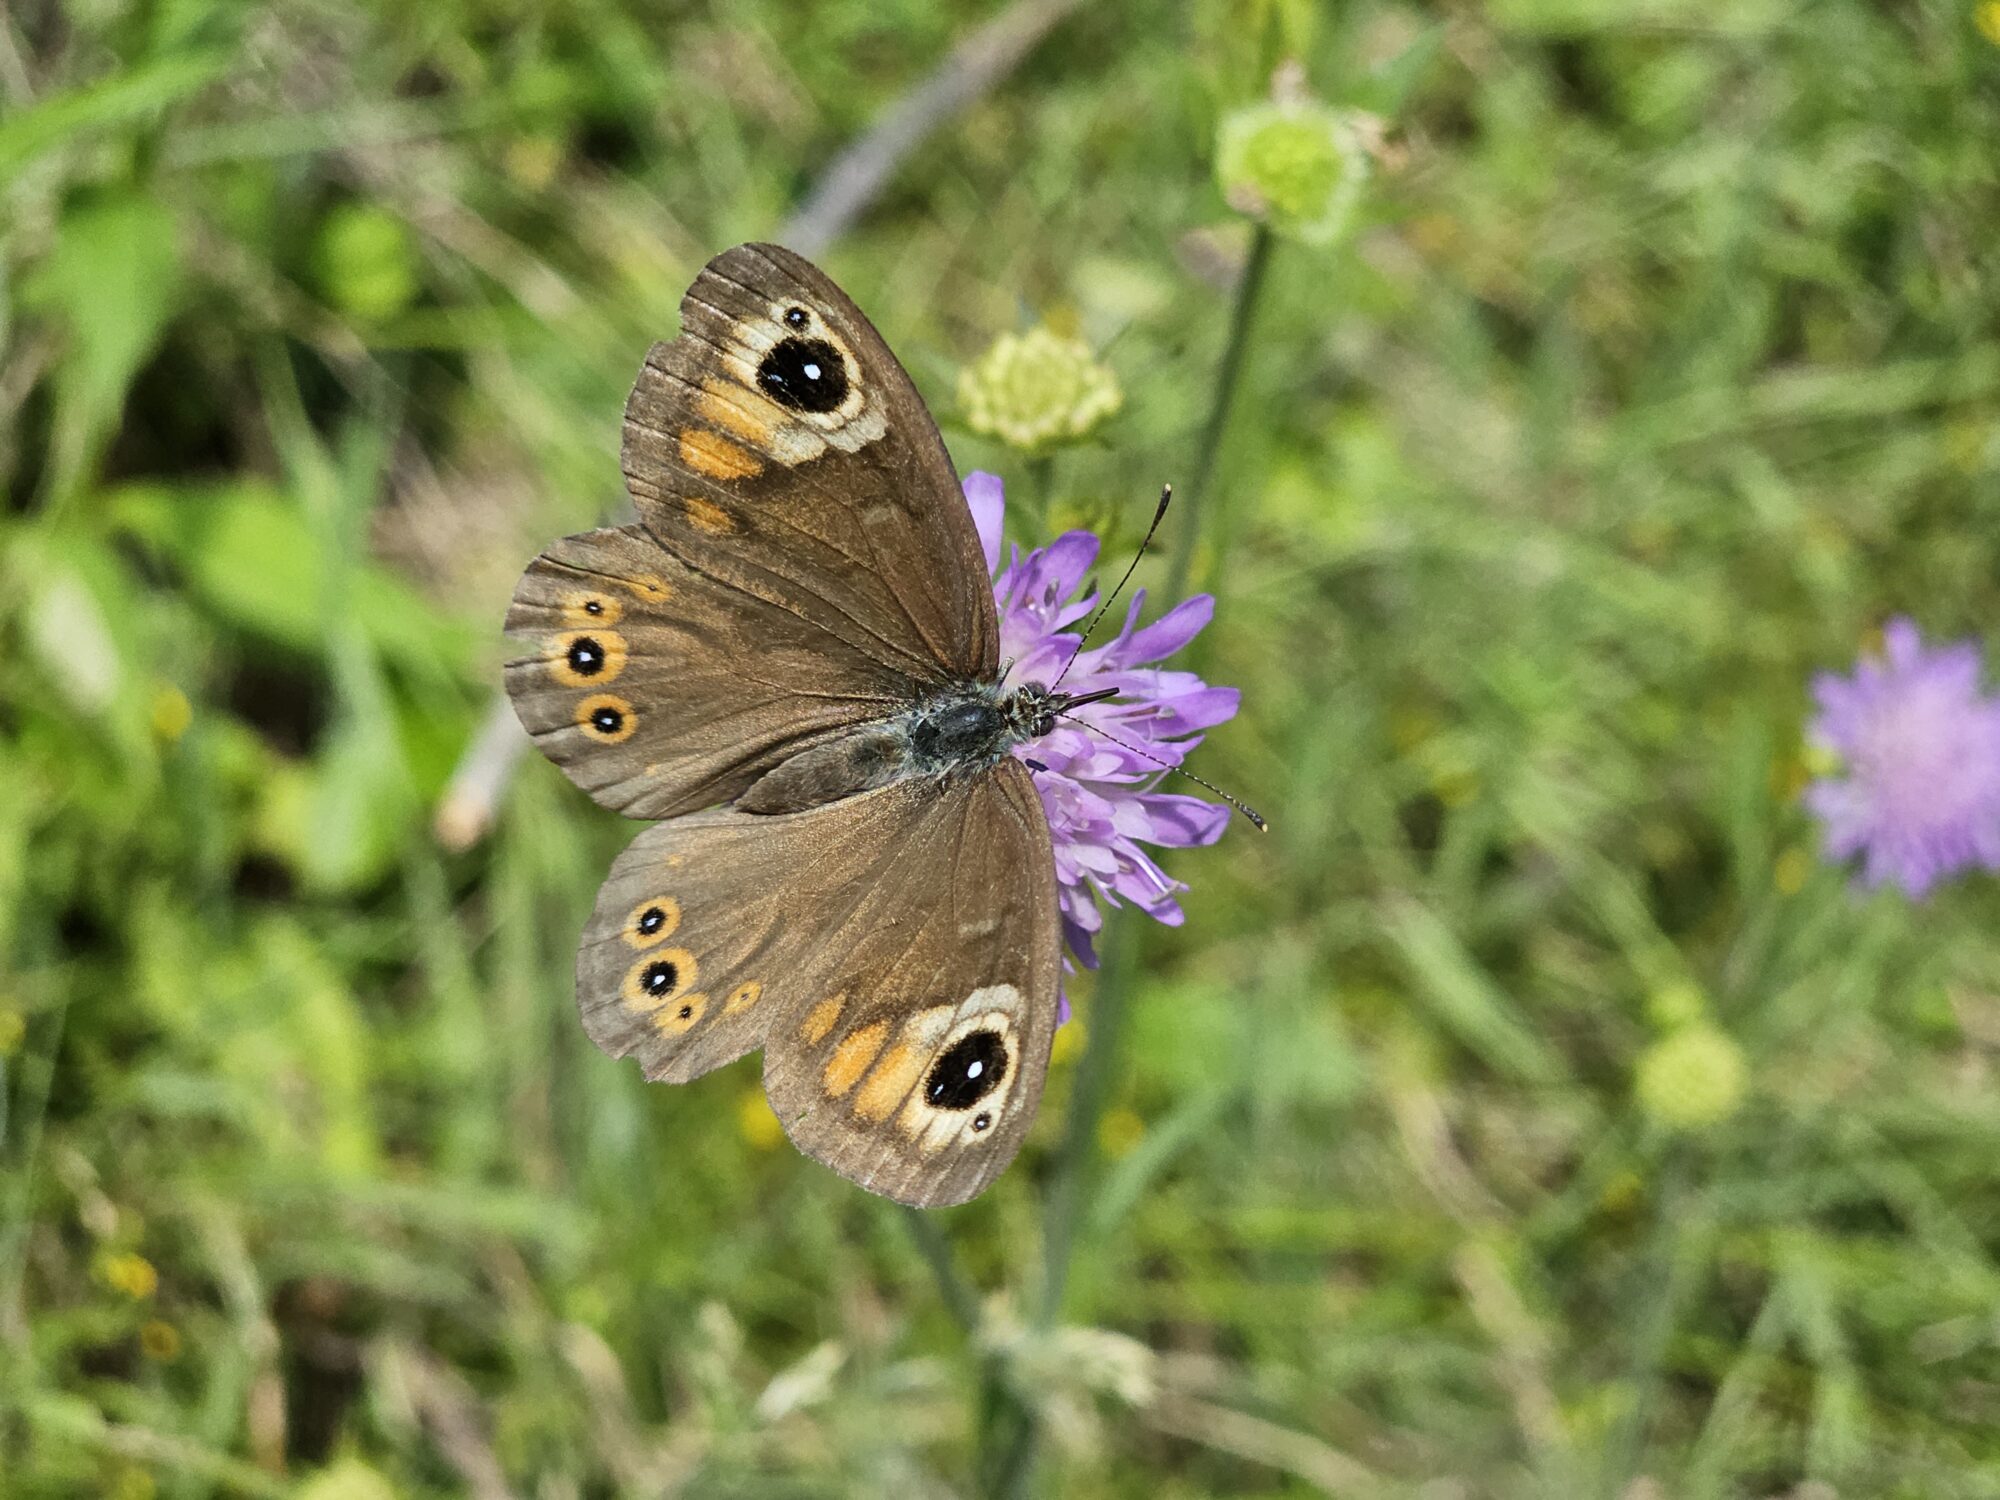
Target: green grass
<point>1659,370</point>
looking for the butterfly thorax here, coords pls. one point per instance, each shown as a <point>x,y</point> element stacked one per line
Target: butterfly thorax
<point>954,731</point>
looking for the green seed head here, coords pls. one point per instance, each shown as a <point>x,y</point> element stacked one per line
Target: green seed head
<point>1692,1079</point>
<point>1295,164</point>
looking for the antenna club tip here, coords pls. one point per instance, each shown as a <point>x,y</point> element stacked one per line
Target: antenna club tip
<point>1257,820</point>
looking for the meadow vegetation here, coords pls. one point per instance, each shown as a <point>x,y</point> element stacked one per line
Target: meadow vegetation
<point>1533,1113</point>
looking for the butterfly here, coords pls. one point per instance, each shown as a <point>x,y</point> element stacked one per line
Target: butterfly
<point>792,664</point>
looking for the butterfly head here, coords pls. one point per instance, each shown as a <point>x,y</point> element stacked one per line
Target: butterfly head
<point>1031,710</point>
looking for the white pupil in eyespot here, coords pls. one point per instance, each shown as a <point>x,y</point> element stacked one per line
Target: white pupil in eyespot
<point>975,1070</point>
<point>812,371</point>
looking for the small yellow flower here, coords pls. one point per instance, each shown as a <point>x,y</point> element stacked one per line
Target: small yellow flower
<point>1068,1043</point>
<point>1119,1131</point>
<point>1295,164</point>
<point>131,1273</point>
<point>1455,786</point>
<point>160,1340</point>
<point>346,1479</point>
<point>172,713</point>
<point>1790,775</point>
<point>1680,1003</point>
<point>1622,1195</point>
<point>1410,726</point>
<point>1693,1078</point>
<point>1037,389</point>
<point>757,1121</point>
<point>1988,19</point>
<point>533,161</point>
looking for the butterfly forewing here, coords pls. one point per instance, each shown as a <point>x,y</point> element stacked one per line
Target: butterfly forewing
<point>778,446</point>
<point>658,690</point>
<point>895,954</point>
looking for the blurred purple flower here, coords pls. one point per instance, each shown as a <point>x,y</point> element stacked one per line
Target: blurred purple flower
<point>1098,794</point>
<point>1917,792</point>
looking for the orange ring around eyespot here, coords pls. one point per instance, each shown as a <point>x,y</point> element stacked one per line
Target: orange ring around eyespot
<point>617,733</point>
<point>670,921</point>
<point>577,611</point>
<point>610,645</point>
<point>680,1019</point>
<point>642,1001</point>
<point>745,995</point>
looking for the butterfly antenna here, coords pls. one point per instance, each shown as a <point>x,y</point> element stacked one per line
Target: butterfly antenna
<point>1159,514</point>
<point>1256,818</point>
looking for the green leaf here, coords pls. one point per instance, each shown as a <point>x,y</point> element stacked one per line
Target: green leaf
<point>113,279</point>
<point>255,559</point>
<point>103,105</point>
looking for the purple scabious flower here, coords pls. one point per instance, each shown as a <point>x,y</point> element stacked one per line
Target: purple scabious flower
<point>1917,792</point>
<point>1099,794</point>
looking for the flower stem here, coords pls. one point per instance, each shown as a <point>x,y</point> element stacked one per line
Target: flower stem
<point>1096,1071</point>
<point>1042,487</point>
<point>1228,374</point>
<point>956,1292</point>
<point>1075,1169</point>
<point>997,1415</point>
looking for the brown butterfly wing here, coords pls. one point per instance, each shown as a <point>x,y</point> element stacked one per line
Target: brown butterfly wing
<point>778,447</point>
<point>895,953</point>
<point>659,690</point>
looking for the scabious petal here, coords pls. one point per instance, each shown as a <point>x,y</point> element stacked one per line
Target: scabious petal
<point>1918,792</point>
<point>1171,631</point>
<point>1042,582</point>
<point>1181,822</point>
<point>1096,770</point>
<point>1183,712</point>
<point>987,499</point>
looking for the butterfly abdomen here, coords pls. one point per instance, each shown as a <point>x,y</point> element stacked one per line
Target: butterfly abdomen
<point>951,733</point>
<point>856,762</point>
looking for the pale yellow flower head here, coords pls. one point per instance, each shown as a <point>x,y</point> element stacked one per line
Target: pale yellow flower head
<point>1037,389</point>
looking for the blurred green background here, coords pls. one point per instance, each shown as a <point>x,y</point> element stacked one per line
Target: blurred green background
<point>1530,1114</point>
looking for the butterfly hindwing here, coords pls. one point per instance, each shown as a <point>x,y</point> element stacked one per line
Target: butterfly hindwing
<point>917,1072</point>
<point>895,953</point>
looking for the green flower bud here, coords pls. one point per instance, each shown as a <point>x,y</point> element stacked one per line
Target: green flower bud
<point>1294,163</point>
<point>366,263</point>
<point>1037,389</point>
<point>1693,1078</point>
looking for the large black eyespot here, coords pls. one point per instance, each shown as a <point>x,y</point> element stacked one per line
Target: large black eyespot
<point>804,374</point>
<point>586,657</point>
<point>970,1071</point>
<point>651,921</point>
<point>659,977</point>
<point>607,720</point>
